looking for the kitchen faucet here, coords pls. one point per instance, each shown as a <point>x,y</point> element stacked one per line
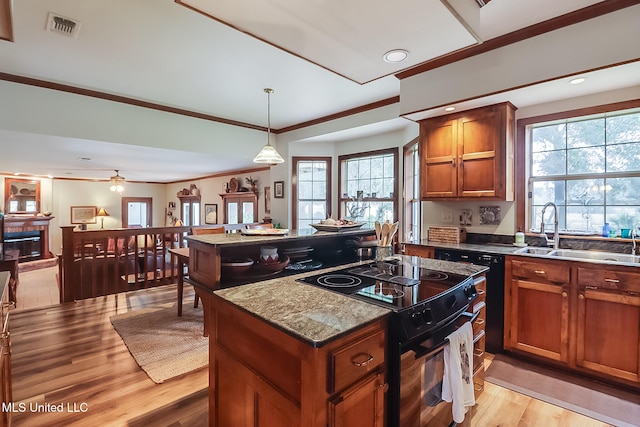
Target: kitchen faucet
<point>556,235</point>
<point>634,234</point>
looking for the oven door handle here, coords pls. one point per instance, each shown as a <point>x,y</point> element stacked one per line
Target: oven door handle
<point>422,351</point>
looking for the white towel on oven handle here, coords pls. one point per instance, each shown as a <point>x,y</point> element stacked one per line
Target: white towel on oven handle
<point>457,384</point>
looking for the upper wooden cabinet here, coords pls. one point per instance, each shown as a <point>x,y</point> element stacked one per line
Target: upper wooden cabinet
<point>468,154</point>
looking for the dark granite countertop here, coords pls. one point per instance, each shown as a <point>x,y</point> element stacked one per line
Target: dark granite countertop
<point>490,248</point>
<point>315,315</point>
<point>239,239</point>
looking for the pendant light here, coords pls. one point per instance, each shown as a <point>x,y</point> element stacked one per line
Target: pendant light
<point>268,154</point>
<point>116,182</point>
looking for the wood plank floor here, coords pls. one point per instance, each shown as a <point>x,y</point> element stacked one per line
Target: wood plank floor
<point>71,354</point>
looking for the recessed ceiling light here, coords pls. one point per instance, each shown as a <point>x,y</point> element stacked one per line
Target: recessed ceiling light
<point>395,55</point>
<point>449,108</point>
<point>576,81</point>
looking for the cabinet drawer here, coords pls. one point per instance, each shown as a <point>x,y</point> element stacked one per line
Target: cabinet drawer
<point>546,271</point>
<point>352,362</point>
<point>609,279</point>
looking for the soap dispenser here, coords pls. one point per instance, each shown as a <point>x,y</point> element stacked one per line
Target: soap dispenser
<point>519,238</point>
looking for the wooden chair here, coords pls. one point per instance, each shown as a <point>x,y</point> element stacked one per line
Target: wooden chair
<point>207,230</point>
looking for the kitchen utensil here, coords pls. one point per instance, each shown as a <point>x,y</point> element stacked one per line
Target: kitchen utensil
<point>384,235</point>
<point>378,229</point>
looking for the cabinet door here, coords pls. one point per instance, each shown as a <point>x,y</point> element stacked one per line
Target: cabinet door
<point>419,250</point>
<point>608,331</point>
<point>540,319</point>
<point>438,153</point>
<point>479,154</point>
<point>361,405</point>
<point>245,399</point>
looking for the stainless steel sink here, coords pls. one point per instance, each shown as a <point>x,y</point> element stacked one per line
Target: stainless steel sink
<point>594,255</point>
<point>533,250</point>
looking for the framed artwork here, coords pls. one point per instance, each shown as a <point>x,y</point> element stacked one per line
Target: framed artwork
<point>267,200</point>
<point>210,214</point>
<point>278,189</point>
<point>83,215</point>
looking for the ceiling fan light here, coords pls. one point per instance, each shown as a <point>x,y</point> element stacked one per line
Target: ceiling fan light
<point>116,182</point>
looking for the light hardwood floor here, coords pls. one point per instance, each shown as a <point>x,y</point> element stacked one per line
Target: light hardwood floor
<point>71,354</point>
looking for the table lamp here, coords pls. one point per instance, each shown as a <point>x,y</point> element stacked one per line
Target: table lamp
<point>102,213</point>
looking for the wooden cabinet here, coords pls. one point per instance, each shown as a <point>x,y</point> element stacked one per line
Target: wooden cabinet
<point>468,154</point>
<point>479,307</point>
<point>584,316</point>
<point>264,377</point>
<point>539,309</point>
<point>5,350</point>
<point>608,322</point>
<point>240,207</point>
<point>421,251</point>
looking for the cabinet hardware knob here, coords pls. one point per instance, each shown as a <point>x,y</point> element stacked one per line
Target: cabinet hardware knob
<point>384,387</point>
<point>564,295</point>
<point>611,280</point>
<point>453,162</point>
<point>365,362</point>
<point>580,296</point>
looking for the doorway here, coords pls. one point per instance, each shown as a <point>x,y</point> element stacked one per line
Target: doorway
<point>137,212</point>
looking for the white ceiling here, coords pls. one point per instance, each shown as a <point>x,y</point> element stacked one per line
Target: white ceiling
<point>321,58</point>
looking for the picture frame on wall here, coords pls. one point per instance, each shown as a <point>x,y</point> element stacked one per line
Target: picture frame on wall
<point>278,189</point>
<point>83,215</point>
<point>211,213</point>
<point>267,200</point>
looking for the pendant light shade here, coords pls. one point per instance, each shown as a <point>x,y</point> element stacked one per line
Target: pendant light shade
<point>268,154</point>
<point>116,182</point>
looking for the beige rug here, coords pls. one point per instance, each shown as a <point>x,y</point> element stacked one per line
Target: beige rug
<point>590,398</point>
<point>163,344</point>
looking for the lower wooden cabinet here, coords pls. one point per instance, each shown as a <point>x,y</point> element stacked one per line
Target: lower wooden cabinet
<point>583,316</point>
<point>422,251</point>
<point>5,350</point>
<point>263,377</point>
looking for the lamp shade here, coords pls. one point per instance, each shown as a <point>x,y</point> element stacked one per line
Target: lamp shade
<point>268,154</point>
<point>102,212</point>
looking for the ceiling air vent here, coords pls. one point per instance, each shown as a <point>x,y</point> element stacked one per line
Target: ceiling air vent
<point>61,25</point>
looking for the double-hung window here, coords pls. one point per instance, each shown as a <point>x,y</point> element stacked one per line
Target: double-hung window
<point>589,166</point>
<point>368,186</point>
<point>312,190</point>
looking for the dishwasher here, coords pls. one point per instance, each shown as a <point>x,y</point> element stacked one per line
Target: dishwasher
<point>495,291</point>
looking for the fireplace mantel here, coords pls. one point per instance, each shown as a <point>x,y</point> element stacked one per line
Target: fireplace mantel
<point>27,223</point>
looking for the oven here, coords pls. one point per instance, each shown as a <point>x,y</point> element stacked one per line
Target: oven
<point>427,305</point>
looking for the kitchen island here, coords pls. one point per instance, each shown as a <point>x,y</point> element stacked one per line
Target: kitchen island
<point>287,353</point>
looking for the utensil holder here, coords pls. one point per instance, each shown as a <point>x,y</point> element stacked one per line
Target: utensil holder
<point>383,252</point>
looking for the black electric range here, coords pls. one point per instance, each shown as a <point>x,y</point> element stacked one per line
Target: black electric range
<point>423,299</point>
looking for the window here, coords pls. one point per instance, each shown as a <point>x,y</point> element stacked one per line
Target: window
<point>412,204</point>
<point>312,190</point>
<point>368,186</point>
<point>589,166</point>
<point>190,210</point>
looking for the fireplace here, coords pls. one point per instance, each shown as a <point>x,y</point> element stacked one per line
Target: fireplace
<point>29,235</point>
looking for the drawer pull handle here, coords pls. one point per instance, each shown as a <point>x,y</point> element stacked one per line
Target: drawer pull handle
<point>540,272</point>
<point>612,280</point>
<point>479,321</point>
<point>480,291</point>
<point>365,362</point>
<point>478,387</point>
<point>478,353</point>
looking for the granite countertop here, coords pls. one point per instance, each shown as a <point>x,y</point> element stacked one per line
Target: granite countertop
<point>313,314</point>
<point>491,248</point>
<point>239,239</point>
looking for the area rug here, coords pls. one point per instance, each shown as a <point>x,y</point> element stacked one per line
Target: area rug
<point>590,398</point>
<point>163,344</point>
